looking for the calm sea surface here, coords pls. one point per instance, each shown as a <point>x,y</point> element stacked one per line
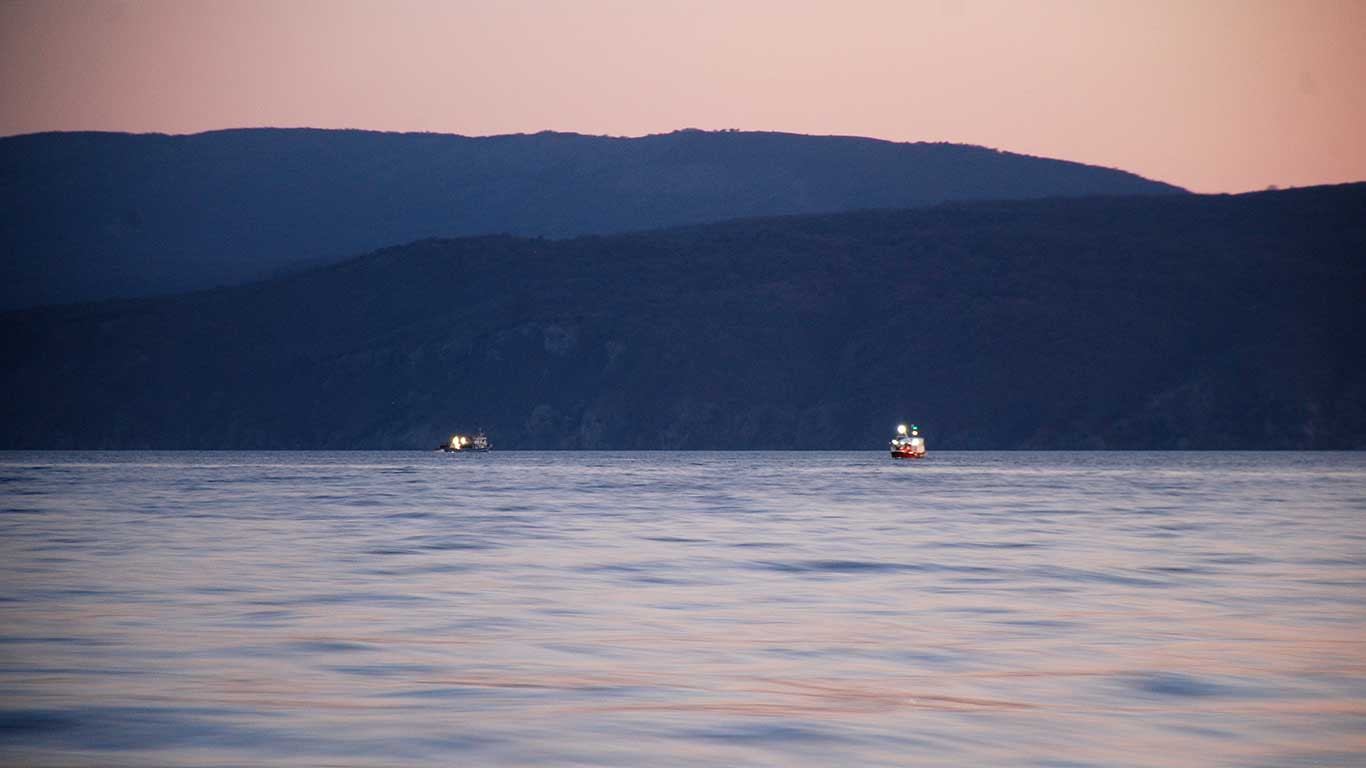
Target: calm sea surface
<point>651,609</point>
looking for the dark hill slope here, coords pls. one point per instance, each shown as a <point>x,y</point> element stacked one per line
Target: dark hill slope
<point>1142,322</point>
<point>98,215</point>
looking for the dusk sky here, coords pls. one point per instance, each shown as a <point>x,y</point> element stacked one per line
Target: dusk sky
<point>1213,95</point>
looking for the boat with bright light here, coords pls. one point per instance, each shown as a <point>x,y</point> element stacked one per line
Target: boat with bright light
<point>908,446</point>
<point>476,443</point>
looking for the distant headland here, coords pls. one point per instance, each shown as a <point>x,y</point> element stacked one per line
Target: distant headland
<point>87,216</point>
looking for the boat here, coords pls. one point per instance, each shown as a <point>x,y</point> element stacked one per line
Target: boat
<point>476,443</point>
<point>908,446</point>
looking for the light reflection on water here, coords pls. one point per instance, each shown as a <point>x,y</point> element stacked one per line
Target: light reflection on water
<point>683,609</point>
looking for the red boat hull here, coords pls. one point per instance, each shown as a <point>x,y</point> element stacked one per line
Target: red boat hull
<point>907,454</point>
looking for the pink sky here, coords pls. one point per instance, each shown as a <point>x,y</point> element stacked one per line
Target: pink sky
<point>1214,95</point>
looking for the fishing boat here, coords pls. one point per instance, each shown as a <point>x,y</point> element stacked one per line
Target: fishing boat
<point>476,443</point>
<point>908,446</point>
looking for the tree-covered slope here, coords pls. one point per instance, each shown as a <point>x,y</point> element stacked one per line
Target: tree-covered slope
<point>96,215</point>
<point>1137,322</point>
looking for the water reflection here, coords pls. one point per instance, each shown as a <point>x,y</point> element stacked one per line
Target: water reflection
<point>725,609</point>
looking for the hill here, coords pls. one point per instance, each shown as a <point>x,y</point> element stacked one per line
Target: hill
<point>87,216</point>
<point>1140,322</point>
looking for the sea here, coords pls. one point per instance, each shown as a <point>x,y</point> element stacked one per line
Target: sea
<point>682,609</point>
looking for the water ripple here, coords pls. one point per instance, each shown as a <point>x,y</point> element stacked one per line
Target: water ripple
<point>703,609</point>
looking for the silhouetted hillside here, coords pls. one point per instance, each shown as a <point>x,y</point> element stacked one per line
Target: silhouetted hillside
<point>1141,322</point>
<point>97,215</point>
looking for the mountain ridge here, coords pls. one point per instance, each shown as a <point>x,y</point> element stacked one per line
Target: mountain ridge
<point>1127,322</point>
<point>89,215</point>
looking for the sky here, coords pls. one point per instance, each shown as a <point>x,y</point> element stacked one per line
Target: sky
<point>1212,95</point>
